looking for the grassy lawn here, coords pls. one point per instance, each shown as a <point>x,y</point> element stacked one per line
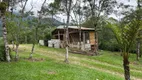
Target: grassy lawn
<point>47,64</point>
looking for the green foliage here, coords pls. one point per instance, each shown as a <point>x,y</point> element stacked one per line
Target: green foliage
<point>27,29</point>
<point>88,23</point>
<point>125,35</point>
<point>117,32</point>
<point>107,40</point>
<point>0,30</point>
<point>106,36</point>
<point>54,7</point>
<point>110,45</point>
<point>2,50</point>
<point>16,28</point>
<point>3,6</point>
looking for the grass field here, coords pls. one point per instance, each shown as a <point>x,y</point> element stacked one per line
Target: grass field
<point>47,64</point>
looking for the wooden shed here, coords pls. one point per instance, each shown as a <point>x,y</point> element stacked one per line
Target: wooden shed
<point>87,37</point>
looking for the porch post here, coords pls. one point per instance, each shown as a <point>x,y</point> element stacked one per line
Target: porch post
<point>84,40</point>
<point>59,35</point>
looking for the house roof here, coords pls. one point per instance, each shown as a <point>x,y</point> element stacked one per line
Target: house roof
<point>74,27</point>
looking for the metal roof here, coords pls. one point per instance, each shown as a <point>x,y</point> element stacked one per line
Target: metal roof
<point>74,27</point>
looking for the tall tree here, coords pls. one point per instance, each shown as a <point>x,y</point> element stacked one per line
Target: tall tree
<point>129,16</point>
<point>125,35</point>
<point>36,28</point>
<point>66,5</point>
<point>95,9</point>
<point>138,18</point>
<point>16,26</point>
<point>24,3</point>
<point>3,7</point>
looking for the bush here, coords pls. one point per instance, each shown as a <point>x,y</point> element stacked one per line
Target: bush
<point>110,45</point>
<point>107,40</point>
<point>2,50</point>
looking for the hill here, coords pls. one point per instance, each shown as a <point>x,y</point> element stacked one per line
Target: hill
<point>51,21</point>
<point>47,64</point>
<point>48,21</point>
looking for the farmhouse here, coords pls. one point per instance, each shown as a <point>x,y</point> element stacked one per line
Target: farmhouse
<point>87,37</point>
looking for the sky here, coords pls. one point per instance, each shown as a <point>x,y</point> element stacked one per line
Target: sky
<point>127,2</point>
<point>37,5</point>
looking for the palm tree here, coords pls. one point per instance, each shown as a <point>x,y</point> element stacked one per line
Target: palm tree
<point>125,36</point>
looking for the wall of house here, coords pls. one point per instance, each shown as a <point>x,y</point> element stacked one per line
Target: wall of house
<point>86,46</point>
<point>54,43</point>
<point>87,37</point>
<point>41,42</point>
<point>92,38</point>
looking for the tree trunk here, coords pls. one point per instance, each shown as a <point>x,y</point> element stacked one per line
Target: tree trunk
<point>34,42</point>
<point>126,67</point>
<point>26,40</point>
<point>96,44</point>
<point>32,51</point>
<point>138,50</point>
<point>67,54</point>
<point>139,19</point>
<point>79,29</point>
<point>140,54</point>
<point>67,45</point>
<point>36,33</point>
<point>5,37</point>
<point>79,37</point>
<point>13,46</point>
<point>84,41</point>
<point>68,8</point>
<point>16,51</point>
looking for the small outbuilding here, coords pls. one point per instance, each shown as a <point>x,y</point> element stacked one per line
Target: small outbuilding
<point>87,37</point>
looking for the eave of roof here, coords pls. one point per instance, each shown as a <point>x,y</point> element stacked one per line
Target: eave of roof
<point>74,27</point>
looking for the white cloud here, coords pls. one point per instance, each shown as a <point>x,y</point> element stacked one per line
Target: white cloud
<point>130,2</point>
<point>37,5</point>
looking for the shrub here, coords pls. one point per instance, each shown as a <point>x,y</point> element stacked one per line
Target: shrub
<point>110,45</point>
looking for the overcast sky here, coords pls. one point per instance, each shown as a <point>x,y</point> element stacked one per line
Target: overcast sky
<point>37,5</point>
